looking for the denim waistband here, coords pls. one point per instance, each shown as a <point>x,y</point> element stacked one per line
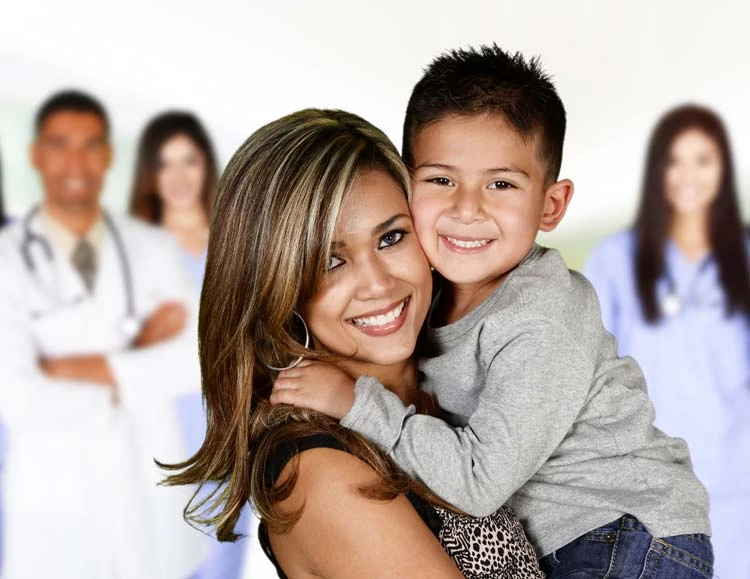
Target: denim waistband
<point>631,523</point>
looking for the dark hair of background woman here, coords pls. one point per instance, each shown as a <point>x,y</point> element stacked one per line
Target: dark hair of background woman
<point>652,225</point>
<point>144,200</point>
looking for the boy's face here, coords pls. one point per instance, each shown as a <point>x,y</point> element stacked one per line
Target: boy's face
<point>478,197</point>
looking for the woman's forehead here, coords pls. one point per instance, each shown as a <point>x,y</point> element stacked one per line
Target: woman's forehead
<point>374,198</point>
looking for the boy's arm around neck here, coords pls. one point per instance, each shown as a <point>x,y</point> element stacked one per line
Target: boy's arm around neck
<point>535,386</point>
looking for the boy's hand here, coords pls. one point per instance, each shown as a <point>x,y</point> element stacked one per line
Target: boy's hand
<point>316,385</point>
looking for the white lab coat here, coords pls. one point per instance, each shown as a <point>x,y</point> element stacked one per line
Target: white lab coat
<point>80,493</point>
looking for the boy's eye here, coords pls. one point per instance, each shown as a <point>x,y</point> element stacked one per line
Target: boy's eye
<point>442,181</point>
<point>334,262</point>
<point>391,238</point>
<point>500,185</point>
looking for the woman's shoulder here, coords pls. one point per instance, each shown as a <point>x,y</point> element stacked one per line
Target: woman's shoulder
<point>283,452</point>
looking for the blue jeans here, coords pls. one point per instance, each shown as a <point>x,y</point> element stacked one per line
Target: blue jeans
<point>624,549</point>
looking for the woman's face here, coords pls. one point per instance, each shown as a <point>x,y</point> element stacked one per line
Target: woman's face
<point>182,173</point>
<point>694,173</point>
<point>376,293</point>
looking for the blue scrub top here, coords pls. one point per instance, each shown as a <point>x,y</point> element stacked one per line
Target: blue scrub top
<point>196,265</point>
<point>696,362</point>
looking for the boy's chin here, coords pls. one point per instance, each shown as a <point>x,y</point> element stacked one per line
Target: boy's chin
<point>471,277</point>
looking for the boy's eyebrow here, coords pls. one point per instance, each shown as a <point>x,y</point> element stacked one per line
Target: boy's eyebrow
<point>377,230</point>
<point>508,169</point>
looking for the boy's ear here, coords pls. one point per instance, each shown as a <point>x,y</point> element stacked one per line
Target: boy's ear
<point>556,201</point>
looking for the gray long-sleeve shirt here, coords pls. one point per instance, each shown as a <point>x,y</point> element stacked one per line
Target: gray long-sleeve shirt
<point>542,413</point>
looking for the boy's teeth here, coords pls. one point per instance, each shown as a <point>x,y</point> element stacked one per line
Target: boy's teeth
<point>468,244</point>
<point>382,319</point>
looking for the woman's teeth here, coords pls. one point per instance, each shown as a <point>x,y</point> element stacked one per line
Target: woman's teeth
<point>382,319</point>
<point>467,244</point>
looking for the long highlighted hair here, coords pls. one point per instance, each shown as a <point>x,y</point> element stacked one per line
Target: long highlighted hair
<point>271,230</point>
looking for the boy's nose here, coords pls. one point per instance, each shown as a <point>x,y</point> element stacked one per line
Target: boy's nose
<point>468,206</point>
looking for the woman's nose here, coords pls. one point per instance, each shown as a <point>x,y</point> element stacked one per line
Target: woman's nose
<point>375,279</point>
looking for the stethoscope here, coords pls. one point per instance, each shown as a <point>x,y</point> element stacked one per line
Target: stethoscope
<point>129,324</point>
<point>672,303</point>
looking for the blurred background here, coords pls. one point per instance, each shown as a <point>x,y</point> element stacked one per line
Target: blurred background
<point>238,64</point>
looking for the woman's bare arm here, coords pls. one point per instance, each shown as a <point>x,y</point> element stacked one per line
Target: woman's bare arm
<point>342,534</point>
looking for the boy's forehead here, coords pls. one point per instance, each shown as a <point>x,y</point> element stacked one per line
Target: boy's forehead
<point>486,140</point>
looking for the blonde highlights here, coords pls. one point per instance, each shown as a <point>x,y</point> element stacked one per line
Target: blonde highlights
<point>271,230</point>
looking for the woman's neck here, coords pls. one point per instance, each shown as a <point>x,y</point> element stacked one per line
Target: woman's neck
<point>189,226</point>
<point>401,379</point>
<point>691,233</point>
<point>184,219</point>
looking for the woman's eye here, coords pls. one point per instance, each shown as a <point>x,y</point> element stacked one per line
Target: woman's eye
<point>501,185</point>
<point>391,238</point>
<point>334,262</point>
<point>442,181</point>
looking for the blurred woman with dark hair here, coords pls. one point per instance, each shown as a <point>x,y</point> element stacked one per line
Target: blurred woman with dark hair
<point>175,182</point>
<point>3,435</point>
<point>675,291</point>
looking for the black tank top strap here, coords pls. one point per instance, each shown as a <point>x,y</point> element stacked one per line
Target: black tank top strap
<point>281,455</point>
<point>288,449</point>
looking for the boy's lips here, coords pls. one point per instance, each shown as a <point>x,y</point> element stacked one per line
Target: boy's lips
<point>460,244</point>
<point>383,321</point>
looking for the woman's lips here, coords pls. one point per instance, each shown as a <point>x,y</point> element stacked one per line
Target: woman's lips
<point>383,322</point>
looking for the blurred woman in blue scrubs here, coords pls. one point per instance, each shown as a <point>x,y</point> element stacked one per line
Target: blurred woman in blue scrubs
<point>3,435</point>
<point>675,291</point>
<point>175,181</point>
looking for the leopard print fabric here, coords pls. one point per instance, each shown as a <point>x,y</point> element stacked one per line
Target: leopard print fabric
<point>493,547</point>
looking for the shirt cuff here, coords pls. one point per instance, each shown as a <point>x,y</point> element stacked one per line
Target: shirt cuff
<point>377,413</point>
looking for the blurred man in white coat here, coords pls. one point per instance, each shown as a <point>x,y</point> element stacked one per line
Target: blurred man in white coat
<point>97,339</point>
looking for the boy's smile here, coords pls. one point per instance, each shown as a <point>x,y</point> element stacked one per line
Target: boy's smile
<point>478,197</point>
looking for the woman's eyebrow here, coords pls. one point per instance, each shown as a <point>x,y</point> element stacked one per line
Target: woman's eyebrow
<point>383,227</point>
<point>377,230</point>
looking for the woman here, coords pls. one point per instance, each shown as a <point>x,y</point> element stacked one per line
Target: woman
<point>312,254</point>
<point>3,434</point>
<point>174,186</point>
<point>675,291</point>
<point>175,181</point>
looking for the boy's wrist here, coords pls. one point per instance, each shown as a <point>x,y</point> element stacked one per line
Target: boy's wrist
<point>362,388</point>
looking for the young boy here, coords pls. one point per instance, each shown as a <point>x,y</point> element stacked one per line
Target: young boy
<point>541,411</point>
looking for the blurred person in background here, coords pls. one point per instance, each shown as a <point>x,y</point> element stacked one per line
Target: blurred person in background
<point>3,435</point>
<point>175,182</point>
<point>675,292</point>
<point>97,340</point>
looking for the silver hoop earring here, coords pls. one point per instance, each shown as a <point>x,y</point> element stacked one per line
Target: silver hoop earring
<point>307,345</point>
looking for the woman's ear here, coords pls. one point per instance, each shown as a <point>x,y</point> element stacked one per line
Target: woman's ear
<point>556,201</point>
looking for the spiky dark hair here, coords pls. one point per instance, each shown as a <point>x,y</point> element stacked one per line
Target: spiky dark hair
<point>489,80</point>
